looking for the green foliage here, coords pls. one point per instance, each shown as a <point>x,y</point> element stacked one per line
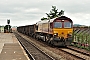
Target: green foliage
<point>53,13</point>
<point>43,18</point>
<point>87,48</point>
<point>82,47</point>
<point>83,38</point>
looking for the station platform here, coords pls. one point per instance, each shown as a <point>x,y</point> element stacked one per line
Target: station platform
<point>10,48</point>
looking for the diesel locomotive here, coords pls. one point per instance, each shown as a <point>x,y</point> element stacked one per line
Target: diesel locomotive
<point>57,31</point>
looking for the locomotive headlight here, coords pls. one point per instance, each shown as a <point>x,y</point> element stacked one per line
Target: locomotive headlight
<point>62,20</point>
<point>55,34</point>
<point>69,35</point>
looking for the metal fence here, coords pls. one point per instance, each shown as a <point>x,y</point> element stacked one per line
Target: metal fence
<point>82,38</point>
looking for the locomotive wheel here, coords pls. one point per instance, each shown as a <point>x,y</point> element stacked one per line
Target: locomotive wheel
<point>50,41</point>
<point>47,38</point>
<point>52,44</point>
<point>44,39</point>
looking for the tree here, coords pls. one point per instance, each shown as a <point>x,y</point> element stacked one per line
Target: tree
<point>43,18</point>
<point>61,13</point>
<point>53,13</point>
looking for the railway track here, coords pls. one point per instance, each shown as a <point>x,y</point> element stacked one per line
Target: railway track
<point>79,50</point>
<point>34,53</point>
<point>76,53</point>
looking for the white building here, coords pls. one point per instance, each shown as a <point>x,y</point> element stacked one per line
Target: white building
<point>1,29</point>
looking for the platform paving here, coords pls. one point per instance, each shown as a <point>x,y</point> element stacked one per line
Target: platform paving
<point>10,48</point>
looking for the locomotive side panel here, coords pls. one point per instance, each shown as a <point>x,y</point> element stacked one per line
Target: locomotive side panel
<point>39,27</point>
<point>45,27</point>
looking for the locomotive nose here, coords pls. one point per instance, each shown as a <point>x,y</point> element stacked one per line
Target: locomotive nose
<point>62,33</point>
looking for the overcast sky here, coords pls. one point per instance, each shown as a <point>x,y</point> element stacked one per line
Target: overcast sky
<point>27,12</point>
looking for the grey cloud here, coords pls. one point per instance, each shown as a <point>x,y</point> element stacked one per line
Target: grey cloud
<point>24,10</point>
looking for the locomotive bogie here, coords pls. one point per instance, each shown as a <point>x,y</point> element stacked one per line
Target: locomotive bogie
<point>68,41</point>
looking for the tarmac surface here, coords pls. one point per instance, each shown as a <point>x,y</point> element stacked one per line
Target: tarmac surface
<point>10,48</point>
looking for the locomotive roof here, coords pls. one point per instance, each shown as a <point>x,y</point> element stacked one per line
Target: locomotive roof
<point>63,18</point>
<point>51,20</point>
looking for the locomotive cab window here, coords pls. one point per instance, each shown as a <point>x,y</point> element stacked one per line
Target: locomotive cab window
<point>67,25</point>
<point>57,24</point>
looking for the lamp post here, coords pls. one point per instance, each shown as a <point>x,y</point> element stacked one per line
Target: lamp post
<point>8,22</point>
